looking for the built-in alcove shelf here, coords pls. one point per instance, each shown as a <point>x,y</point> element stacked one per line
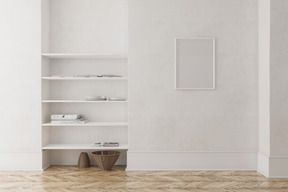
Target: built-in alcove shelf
<point>82,56</point>
<point>87,78</point>
<point>81,147</point>
<point>89,124</point>
<point>80,101</point>
<point>66,61</point>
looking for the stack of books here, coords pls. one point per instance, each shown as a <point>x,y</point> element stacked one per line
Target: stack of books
<point>110,144</point>
<point>67,119</point>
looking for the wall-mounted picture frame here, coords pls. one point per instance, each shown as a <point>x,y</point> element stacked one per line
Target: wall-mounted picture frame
<point>195,63</point>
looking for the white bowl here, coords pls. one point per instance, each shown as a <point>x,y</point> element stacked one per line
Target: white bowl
<point>95,98</point>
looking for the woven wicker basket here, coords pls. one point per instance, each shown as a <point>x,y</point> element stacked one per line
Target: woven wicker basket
<point>84,160</point>
<point>105,159</point>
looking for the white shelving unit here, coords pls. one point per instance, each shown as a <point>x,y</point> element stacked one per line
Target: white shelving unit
<point>48,89</point>
<point>52,105</point>
<point>74,45</point>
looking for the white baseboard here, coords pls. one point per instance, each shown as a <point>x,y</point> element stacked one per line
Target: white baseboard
<point>272,166</point>
<point>21,161</point>
<point>278,167</point>
<point>263,164</point>
<point>188,161</point>
<point>46,167</point>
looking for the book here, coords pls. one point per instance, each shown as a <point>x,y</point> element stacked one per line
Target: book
<point>68,122</point>
<point>110,144</point>
<point>65,116</point>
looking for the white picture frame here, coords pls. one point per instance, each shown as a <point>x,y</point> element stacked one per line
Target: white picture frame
<point>195,63</point>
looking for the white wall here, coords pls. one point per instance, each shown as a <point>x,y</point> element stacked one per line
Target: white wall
<point>279,78</point>
<point>20,47</point>
<point>273,103</point>
<point>279,91</point>
<point>212,129</point>
<point>89,26</point>
<point>264,85</point>
<point>163,119</point>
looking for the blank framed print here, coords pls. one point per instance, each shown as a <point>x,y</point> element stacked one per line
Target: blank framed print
<point>195,63</point>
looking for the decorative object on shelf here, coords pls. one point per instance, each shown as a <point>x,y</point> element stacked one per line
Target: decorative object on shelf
<point>110,75</point>
<point>117,99</point>
<point>84,160</point>
<point>65,116</point>
<point>87,75</point>
<point>110,144</point>
<point>98,144</point>
<point>106,144</point>
<point>67,119</point>
<point>93,75</point>
<point>102,98</point>
<point>105,159</point>
<point>95,98</point>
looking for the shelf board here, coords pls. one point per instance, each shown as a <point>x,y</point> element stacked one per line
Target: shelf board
<point>82,56</point>
<point>86,78</point>
<point>89,124</point>
<point>80,101</point>
<point>81,147</point>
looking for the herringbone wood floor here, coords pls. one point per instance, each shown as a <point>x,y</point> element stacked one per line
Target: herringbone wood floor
<point>71,178</point>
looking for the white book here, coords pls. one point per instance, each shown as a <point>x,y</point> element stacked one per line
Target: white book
<point>80,119</point>
<point>65,116</point>
<point>68,122</point>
